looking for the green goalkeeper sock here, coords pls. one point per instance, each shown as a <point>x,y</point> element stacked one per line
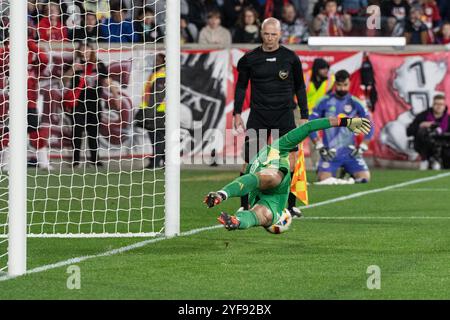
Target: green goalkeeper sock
<point>247,219</point>
<point>241,186</point>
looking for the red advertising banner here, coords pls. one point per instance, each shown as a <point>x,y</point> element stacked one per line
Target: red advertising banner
<point>406,85</point>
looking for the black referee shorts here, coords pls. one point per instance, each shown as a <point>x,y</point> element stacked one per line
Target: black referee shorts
<point>263,125</point>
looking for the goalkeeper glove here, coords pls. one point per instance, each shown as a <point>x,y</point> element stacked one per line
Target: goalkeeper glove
<point>357,125</point>
<point>358,152</point>
<point>325,153</point>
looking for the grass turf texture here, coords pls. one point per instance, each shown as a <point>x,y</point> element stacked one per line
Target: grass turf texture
<point>316,259</point>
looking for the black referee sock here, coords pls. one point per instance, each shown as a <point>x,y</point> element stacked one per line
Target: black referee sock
<point>292,198</point>
<point>244,199</point>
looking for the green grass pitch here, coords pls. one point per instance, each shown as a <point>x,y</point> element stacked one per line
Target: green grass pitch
<point>404,231</point>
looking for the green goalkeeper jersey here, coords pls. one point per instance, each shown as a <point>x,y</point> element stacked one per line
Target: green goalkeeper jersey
<point>276,156</point>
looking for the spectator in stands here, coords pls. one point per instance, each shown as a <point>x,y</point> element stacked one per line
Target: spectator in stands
<point>73,16</point>
<point>189,32</point>
<point>302,7</point>
<point>33,11</point>
<point>395,8</point>
<point>38,135</point>
<point>431,17</point>
<point>198,11</point>
<point>354,7</point>
<point>357,10</point>
<point>159,8</point>
<point>319,7</point>
<point>51,27</point>
<point>247,29</point>
<point>443,36</point>
<point>294,30</point>
<point>213,32</point>
<point>101,8</point>
<point>153,107</point>
<point>428,124</point>
<point>330,22</point>
<point>118,28</point>
<point>396,12</point>
<point>274,8</point>
<point>85,81</point>
<point>89,31</point>
<point>146,27</point>
<point>32,19</point>
<point>416,32</point>
<point>232,10</point>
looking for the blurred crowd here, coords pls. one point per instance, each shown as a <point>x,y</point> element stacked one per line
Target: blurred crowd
<point>224,22</point>
<point>218,21</point>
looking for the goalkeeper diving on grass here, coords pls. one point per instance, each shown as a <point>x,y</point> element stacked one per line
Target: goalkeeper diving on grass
<point>267,179</point>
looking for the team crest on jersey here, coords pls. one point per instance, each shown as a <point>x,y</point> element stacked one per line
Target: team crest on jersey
<point>348,108</point>
<point>283,74</point>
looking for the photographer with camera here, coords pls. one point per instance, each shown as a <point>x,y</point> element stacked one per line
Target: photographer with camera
<point>431,132</point>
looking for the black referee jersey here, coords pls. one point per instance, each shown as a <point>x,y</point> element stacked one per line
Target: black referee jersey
<point>276,77</point>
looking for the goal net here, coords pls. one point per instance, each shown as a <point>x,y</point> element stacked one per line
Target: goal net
<point>95,119</point>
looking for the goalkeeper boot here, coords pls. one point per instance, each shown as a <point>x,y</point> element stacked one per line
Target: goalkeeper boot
<point>214,198</point>
<point>229,222</point>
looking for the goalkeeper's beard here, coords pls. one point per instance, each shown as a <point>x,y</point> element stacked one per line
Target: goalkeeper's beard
<point>341,93</point>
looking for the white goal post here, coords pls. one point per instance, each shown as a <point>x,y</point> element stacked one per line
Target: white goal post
<point>17,246</point>
<point>172,221</point>
<point>22,224</point>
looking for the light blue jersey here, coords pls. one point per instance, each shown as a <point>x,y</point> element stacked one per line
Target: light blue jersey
<point>332,106</point>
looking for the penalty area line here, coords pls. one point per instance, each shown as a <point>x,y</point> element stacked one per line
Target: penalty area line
<point>195,231</point>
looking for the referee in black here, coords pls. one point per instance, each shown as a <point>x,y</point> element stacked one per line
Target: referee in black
<point>276,76</point>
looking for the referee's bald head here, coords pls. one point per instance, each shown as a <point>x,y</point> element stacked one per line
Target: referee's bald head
<point>271,21</point>
<point>270,34</point>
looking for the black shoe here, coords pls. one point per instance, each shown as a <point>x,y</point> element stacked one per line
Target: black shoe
<point>75,164</point>
<point>229,222</point>
<point>151,164</point>
<point>32,163</point>
<point>155,164</point>
<point>96,163</point>
<point>295,212</point>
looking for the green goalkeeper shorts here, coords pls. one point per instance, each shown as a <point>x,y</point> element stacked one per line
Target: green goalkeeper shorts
<point>274,199</point>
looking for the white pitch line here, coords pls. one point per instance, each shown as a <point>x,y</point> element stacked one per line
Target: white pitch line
<point>108,253</point>
<point>195,231</point>
<point>376,218</point>
<point>363,193</point>
<point>423,189</point>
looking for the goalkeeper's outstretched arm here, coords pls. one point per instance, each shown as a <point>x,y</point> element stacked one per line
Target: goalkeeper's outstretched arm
<point>294,137</point>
